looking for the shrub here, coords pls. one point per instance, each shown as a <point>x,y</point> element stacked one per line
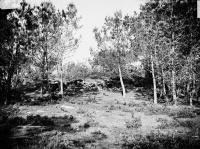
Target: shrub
<point>81,111</point>
<point>92,99</point>
<point>99,135</point>
<point>158,140</point>
<point>39,120</point>
<point>188,124</point>
<point>167,124</point>
<point>184,113</point>
<point>16,121</point>
<point>134,123</point>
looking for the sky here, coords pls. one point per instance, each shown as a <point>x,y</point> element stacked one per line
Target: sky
<point>93,13</point>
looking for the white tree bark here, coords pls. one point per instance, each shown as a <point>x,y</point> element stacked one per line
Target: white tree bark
<point>154,82</point>
<point>61,80</point>
<point>122,83</point>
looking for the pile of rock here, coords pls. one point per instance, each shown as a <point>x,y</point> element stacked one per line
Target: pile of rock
<point>87,85</point>
<point>74,86</point>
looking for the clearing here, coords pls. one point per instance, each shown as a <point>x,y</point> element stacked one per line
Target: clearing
<point>104,119</point>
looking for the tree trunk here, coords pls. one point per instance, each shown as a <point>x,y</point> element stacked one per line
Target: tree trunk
<point>163,83</point>
<point>9,81</point>
<point>193,91</point>
<point>47,73</point>
<point>194,86</point>
<point>191,97</point>
<point>122,83</point>
<point>193,81</point>
<point>154,81</point>
<point>174,87</point>
<point>173,80</point>
<point>8,88</point>
<point>61,80</point>
<point>42,86</point>
<point>43,74</point>
<point>46,64</point>
<point>188,92</point>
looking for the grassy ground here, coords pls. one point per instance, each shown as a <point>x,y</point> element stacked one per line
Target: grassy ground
<point>104,120</point>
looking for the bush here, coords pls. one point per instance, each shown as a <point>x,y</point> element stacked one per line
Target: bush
<point>99,135</point>
<point>188,124</point>
<point>158,141</point>
<point>184,113</point>
<point>165,124</point>
<point>134,123</point>
<point>39,120</point>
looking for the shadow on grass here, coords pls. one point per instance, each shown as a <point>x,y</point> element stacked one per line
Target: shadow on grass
<point>17,132</point>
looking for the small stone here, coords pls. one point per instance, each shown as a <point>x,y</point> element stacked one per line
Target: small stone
<point>40,111</point>
<point>67,107</point>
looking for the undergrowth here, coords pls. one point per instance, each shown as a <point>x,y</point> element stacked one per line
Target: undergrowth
<point>160,141</point>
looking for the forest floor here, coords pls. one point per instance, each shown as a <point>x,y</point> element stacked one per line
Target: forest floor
<point>106,120</point>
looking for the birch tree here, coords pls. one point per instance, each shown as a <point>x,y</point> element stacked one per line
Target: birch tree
<point>114,38</point>
<point>148,37</point>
